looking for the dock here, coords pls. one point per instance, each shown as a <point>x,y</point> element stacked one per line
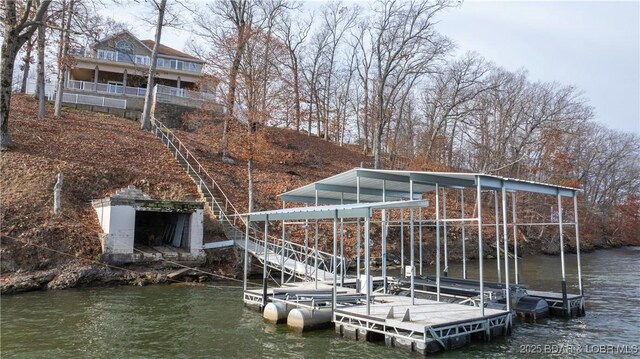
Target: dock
<point>467,291</point>
<point>424,314</point>
<point>421,325</point>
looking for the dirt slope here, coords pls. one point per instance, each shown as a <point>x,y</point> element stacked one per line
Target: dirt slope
<point>98,154</point>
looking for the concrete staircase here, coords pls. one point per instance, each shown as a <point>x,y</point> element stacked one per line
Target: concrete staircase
<point>287,257</point>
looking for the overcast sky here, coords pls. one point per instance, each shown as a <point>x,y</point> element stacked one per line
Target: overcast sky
<point>594,45</point>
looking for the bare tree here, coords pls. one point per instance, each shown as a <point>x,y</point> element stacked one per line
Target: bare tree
<point>406,45</point>
<point>18,28</point>
<point>63,52</point>
<point>293,32</point>
<point>145,121</point>
<point>27,60</point>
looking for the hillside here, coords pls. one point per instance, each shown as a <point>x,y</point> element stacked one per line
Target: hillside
<point>98,154</point>
<point>283,159</point>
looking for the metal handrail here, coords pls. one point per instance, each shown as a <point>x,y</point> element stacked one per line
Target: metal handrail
<point>296,249</point>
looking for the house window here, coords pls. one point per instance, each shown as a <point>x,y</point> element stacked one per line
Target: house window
<point>160,62</point>
<point>176,64</point>
<point>192,67</point>
<point>142,60</point>
<point>106,55</point>
<point>123,45</point>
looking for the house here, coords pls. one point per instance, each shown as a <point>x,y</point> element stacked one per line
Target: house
<point>113,73</point>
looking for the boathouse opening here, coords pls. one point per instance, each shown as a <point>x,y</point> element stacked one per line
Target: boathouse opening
<point>153,229</point>
<point>138,228</point>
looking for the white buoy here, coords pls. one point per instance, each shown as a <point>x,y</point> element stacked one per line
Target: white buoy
<point>302,320</point>
<point>276,312</point>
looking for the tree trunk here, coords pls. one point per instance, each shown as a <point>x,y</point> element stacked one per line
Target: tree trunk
<point>15,35</point>
<point>57,190</point>
<point>233,83</point>
<point>145,123</point>
<point>6,77</point>
<point>26,66</point>
<point>250,188</point>
<point>64,31</point>
<point>40,95</point>
<point>296,91</point>
<point>377,147</point>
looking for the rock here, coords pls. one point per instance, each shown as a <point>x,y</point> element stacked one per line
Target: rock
<point>228,160</point>
<point>25,282</point>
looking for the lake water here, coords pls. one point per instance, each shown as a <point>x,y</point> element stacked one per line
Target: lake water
<point>210,322</point>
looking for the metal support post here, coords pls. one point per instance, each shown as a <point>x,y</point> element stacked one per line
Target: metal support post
<point>497,217</point>
<point>444,228</point>
<point>317,236</point>
<point>264,267</point>
<point>342,269</point>
<point>412,249</point>
<point>384,229</point>
<point>246,256</point>
<point>575,220</point>
<point>464,239</point>
<point>506,246</point>
<point>437,242</point>
<point>403,274</point>
<point>565,302</point>
<point>515,237</point>
<point>480,252</point>
<point>282,254</point>
<point>335,259</point>
<point>420,238</point>
<point>358,245</point>
<point>367,260</point>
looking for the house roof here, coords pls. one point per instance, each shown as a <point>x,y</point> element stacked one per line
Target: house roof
<point>164,49</point>
<point>169,51</point>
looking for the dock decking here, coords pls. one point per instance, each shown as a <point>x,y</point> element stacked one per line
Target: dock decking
<point>424,325</point>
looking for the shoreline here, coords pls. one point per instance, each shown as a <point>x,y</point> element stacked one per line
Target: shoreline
<point>79,274</point>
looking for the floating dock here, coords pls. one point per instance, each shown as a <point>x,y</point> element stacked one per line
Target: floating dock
<point>421,325</point>
<point>467,291</point>
<point>422,314</point>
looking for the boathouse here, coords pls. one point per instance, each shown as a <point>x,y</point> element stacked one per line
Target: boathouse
<point>138,228</point>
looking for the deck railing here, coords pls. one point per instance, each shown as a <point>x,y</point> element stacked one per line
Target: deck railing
<point>94,100</point>
<point>139,91</point>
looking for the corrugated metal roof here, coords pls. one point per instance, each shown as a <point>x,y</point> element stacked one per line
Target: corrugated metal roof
<point>343,187</point>
<point>355,210</point>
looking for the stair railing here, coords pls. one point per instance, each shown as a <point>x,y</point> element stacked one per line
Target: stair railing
<point>292,250</point>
